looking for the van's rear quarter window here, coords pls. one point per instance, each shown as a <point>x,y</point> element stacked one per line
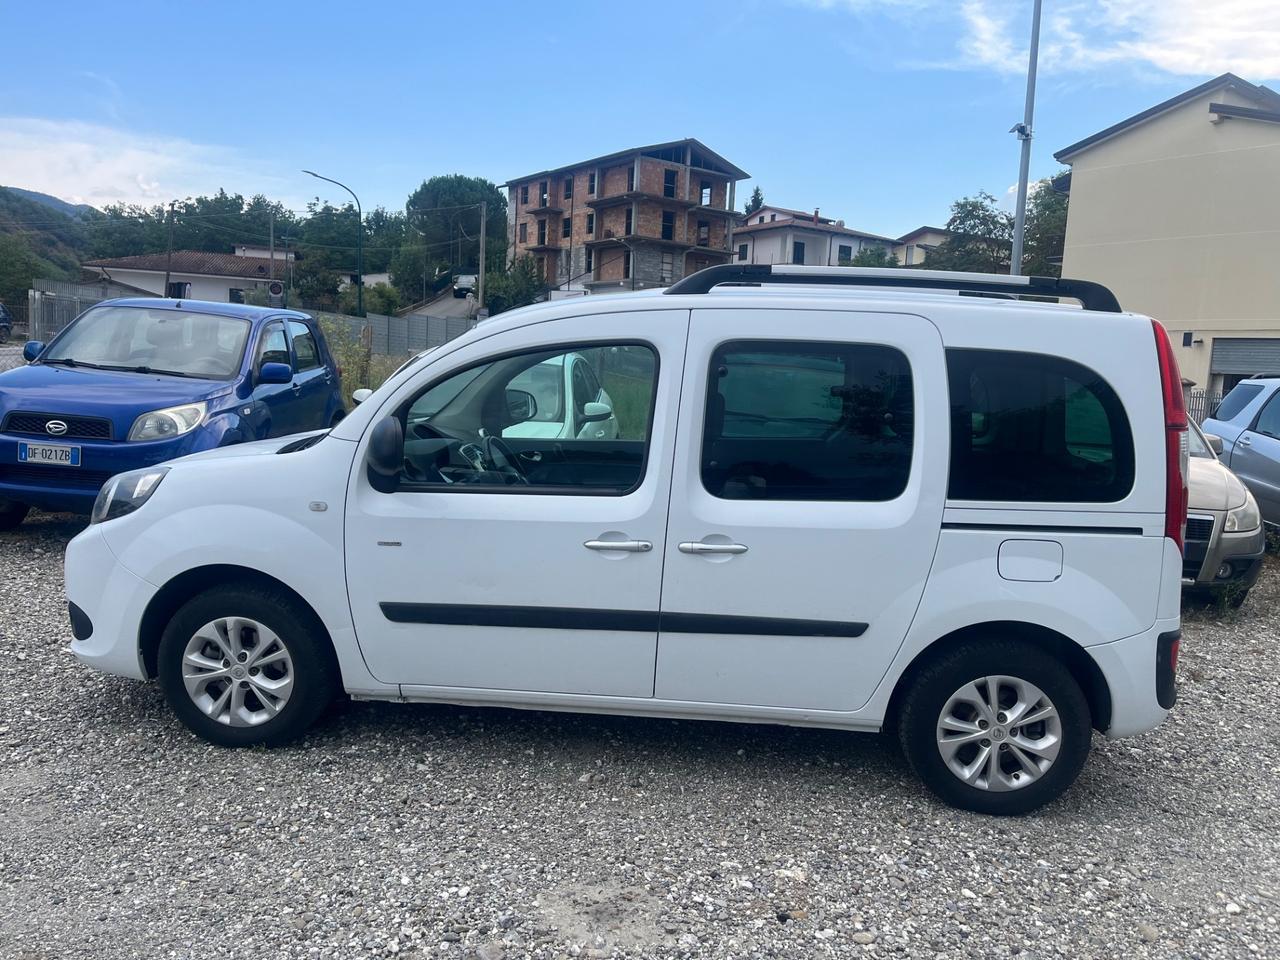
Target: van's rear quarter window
<point>1031,427</point>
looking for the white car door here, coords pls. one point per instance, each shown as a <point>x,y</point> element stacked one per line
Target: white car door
<point>520,563</point>
<point>808,490</point>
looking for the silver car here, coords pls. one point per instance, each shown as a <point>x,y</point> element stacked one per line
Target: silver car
<point>1248,421</point>
<point>1225,540</point>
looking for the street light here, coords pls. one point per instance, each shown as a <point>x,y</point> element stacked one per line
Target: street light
<point>359,239</point>
<point>1023,130</point>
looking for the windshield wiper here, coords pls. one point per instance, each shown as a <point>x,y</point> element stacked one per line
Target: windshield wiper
<point>145,369</point>
<point>69,362</point>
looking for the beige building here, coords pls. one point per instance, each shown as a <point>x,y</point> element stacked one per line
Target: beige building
<point>1177,210</point>
<point>913,247</point>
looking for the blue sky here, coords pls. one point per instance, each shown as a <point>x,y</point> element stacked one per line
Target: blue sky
<point>881,113</point>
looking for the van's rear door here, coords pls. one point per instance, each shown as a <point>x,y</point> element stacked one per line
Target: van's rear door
<point>810,476</point>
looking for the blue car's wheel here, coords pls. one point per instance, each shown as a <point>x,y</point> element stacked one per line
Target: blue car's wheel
<point>12,514</point>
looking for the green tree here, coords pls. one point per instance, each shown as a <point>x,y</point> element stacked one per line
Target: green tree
<point>755,202</point>
<point>19,265</point>
<point>379,298</point>
<point>1046,230</point>
<point>520,285</point>
<point>872,256</point>
<point>444,213</point>
<point>981,237</point>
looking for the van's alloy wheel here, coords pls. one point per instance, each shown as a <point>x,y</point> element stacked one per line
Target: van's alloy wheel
<point>244,664</point>
<point>966,702</point>
<point>237,671</point>
<point>999,733</point>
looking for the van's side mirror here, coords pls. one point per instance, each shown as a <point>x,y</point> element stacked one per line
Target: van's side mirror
<point>521,406</point>
<point>385,456</point>
<point>594,411</point>
<point>32,349</point>
<point>1215,442</point>
<point>272,372</point>
<point>361,395</point>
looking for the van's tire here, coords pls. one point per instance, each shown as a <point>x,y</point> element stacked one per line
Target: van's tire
<point>237,620</point>
<point>1021,672</point>
<point>12,514</point>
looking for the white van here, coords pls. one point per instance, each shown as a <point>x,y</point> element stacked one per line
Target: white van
<point>869,500</point>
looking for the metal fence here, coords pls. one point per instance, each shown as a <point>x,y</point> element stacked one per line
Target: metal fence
<point>1202,405</point>
<point>52,304</point>
<point>399,336</point>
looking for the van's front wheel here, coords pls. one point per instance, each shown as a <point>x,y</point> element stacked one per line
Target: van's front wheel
<point>244,665</point>
<point>996,727</point>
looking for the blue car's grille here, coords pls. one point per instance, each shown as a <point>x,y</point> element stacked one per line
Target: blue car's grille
<point>66,477</point>
<point>78,428</point>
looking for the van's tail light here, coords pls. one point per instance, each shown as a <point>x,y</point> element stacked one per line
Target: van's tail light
<point>1175,439</point>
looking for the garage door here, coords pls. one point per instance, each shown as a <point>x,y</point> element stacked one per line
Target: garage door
<point>1246,355</point>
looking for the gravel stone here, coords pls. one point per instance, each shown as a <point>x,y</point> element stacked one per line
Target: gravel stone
<point>440,832</point>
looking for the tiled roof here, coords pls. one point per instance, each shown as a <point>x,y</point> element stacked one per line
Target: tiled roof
<point>198,262</point>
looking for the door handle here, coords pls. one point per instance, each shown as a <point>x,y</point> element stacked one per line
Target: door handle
<point>1246,441</point>
<point>624,546</point>
<point>297,387</point>
<point>698,547</point>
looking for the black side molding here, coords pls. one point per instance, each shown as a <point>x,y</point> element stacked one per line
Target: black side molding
<point>642,621</point>
<point>1034,528</point>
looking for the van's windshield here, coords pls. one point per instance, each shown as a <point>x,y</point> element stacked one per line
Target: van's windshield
<point>171,342</point>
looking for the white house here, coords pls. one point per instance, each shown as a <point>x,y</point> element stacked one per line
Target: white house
<point>249,250</point>
<point>779,235</point>
<point>194,274</point>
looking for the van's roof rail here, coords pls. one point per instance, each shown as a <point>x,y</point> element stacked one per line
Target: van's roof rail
<point>1092,296</point>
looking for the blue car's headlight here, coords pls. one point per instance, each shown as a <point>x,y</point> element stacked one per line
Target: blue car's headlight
<point>126,492</point>
<point>169,422</point>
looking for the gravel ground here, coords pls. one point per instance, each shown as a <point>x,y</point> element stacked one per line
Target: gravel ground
<point>446,832</point>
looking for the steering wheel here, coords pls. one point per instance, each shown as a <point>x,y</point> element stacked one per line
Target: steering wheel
<point>503,460</point>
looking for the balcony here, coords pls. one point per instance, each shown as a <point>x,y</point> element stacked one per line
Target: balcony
<point>545,245</point>
<point>537,209</point>
<point>631,196</point>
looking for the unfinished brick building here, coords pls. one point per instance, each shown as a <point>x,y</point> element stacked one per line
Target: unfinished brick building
<point>643,217</point>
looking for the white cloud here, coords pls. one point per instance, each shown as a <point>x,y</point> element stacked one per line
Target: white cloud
<point>1181,37</point>
<point>99,165</point>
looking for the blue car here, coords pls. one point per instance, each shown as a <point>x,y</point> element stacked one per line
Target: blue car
<point>131,383</point>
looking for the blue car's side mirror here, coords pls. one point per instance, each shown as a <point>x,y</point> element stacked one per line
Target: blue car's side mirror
<point>32,349</point>
<point>275,373</point>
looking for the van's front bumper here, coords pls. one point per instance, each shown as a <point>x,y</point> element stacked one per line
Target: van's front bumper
<point>1139,673</point>
<point>108,602</point>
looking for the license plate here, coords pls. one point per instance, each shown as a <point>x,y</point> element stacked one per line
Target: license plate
<point>54,454</point>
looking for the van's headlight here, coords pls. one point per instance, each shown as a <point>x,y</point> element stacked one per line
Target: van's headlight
<point>126,492</point>
<point>1244,517</point>
<point>169,422</point>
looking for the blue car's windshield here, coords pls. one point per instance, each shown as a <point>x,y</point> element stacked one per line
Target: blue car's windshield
<point>172,342</point>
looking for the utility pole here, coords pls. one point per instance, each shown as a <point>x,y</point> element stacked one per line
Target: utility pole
<point>271,246</point>
<point>484,216</point>
<point>168,257</point>
<point>1023,130</point>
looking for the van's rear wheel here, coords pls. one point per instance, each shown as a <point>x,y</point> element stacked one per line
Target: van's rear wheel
<point>996,727</point>
<point>244,665</point>
<point>12,514</point>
